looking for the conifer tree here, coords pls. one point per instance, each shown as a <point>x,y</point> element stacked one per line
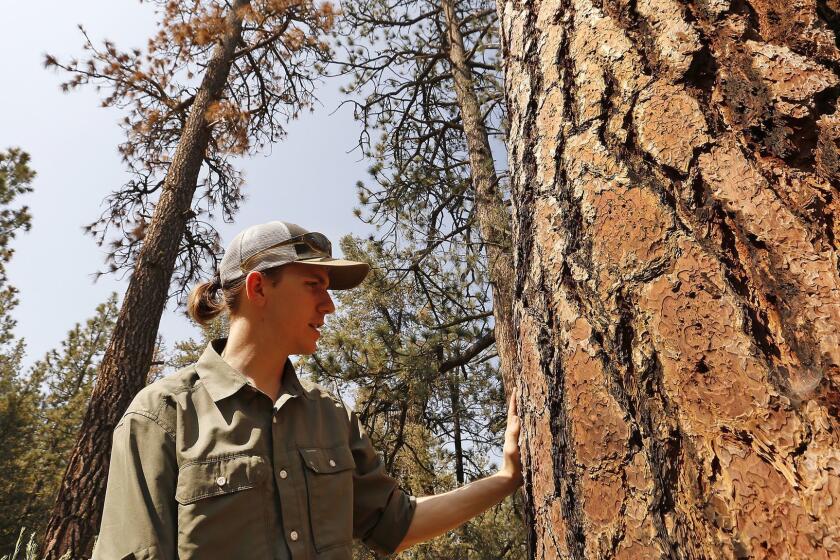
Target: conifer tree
<point>674,169</point>
<point>63,381</point>
<point>18,417</point>
<point>426,86</point>
<point>186,352</point>
<point>217,81</point>
<point>437,198</point>
<point>18,405</point>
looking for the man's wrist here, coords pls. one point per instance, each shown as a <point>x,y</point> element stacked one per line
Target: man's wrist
<point>509,480</point>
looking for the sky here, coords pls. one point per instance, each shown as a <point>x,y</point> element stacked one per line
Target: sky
<point>309,178</point>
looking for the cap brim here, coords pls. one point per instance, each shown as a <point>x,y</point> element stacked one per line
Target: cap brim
<point>343,274</point>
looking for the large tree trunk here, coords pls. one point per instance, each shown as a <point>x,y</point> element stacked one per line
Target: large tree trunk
<point>677,298</point>
<point>77,514</point>
<point>493,217</point>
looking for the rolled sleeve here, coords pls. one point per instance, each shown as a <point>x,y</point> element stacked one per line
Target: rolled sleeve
<point>393,523</point>
<point>382,511</point>
<point>139,518</point>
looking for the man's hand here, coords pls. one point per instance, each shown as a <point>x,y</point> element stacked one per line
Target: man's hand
<point>512,465</point>
<point>437,514</point>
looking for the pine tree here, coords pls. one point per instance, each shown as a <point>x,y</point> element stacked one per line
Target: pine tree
<point>186,352</point>
<point>18,404</point>
<point>18,419</point>
<point>674,173</point>
<point>426,84</point>
<point>63,380</point>
<point>218,80</point>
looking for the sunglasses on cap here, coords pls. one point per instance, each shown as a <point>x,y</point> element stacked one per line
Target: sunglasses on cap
<point>308,245</point>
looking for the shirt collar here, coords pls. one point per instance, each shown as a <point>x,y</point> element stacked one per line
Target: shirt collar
<point>222,381</point>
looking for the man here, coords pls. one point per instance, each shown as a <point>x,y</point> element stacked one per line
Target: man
<point>235,457</point>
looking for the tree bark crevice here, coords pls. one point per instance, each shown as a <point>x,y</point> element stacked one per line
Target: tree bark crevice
<point>679,239</point>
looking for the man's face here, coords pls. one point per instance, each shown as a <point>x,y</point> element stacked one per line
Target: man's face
<point>297,305</point>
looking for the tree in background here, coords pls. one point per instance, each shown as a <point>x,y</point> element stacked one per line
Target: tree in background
<point>60,384</point>
<point>426,387</point>
<point>187,352</point>
<point>426,82</point>
<point>426,86</point>
<point>491,214</point>
<point>18,417</point>
<point>15,181</point>
<point>674,173</point>
<point>18,405</point>
<point>56,391</point>
<point>218,80</point>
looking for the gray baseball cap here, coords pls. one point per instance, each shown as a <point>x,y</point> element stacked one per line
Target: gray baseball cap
<point>265,246</point>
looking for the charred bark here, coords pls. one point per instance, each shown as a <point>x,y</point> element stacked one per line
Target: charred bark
<point>493,216</point>
<point>675,180</point>
<point>77,514</point>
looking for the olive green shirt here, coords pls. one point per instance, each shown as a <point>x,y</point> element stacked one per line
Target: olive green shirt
<point>205,466</point>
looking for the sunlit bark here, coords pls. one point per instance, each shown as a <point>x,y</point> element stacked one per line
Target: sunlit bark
<point>677,299</point>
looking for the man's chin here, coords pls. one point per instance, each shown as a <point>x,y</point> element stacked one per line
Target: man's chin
<point>307,351</point>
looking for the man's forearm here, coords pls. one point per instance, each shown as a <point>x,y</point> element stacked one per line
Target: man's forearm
<point>439,513</point>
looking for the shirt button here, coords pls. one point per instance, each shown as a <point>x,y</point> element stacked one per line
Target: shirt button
<point>332,463</point>
<point>221,481</point>
<point>293,535</point>
<point>283,474</point>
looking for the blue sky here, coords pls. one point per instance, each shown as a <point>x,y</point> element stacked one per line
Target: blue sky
<point>308,178</point>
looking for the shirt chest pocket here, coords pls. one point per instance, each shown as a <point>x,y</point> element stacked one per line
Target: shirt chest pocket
<point>218,498</point>
<point>329,487</point>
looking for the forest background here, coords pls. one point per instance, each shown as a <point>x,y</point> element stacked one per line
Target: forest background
<point>663,255</point>
<point>390,339</point>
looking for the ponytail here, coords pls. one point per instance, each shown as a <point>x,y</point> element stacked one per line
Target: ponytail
<point>209,299</point>
<point>206,301</point>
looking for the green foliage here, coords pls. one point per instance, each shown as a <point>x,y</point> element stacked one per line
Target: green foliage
<point>56,394</point>
<point>395,54</point>
<point>15,180</point>
<point>414,346</point>
<point>18,418</point>
<point>18,403</point>
<point>186,352</point>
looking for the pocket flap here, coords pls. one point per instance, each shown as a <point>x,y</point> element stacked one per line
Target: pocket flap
<point>325,460</point>
<point>222,475</point>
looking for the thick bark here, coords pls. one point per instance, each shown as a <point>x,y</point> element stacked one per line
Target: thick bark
<point>677,298</point>
<point>77,514</point>
<point>493,217</point>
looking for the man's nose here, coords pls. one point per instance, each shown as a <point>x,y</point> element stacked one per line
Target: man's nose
<point>327,306</point>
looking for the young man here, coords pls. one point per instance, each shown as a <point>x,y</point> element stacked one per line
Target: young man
<point>235,457</point>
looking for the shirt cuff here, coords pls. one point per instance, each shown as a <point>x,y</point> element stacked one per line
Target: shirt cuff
<point>394,523</point>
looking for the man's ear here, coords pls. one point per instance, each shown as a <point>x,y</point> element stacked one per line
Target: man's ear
<point>255,288</point>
